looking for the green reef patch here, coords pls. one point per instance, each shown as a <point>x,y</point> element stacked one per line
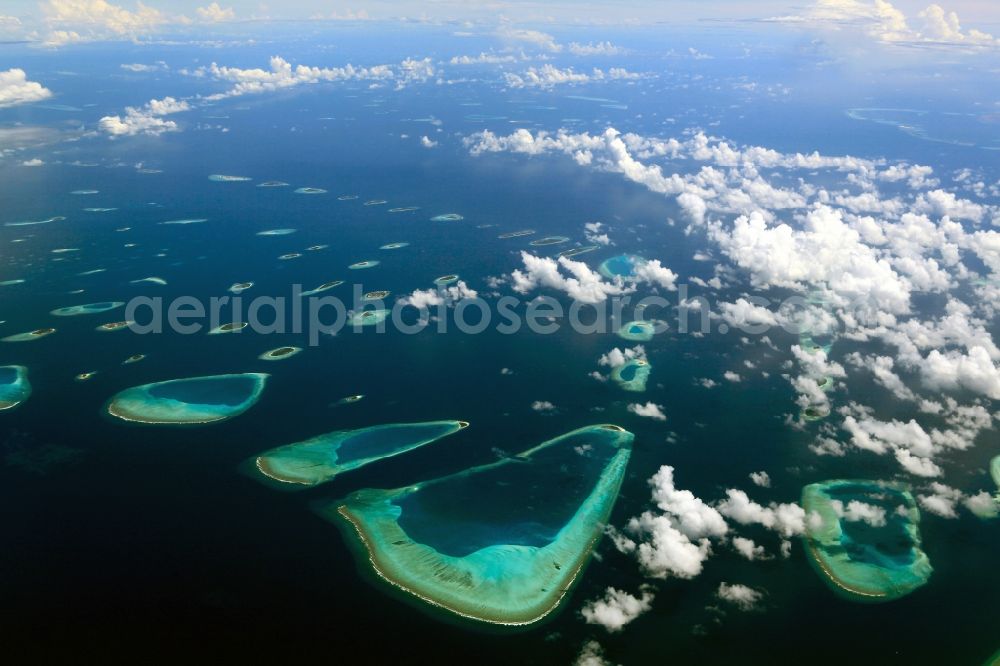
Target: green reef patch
<point>873,560</point>
<point>319,459</point>
<point>190,401</point>
<point>501,543</point>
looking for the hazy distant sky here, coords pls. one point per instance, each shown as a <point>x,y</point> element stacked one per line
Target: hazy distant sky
<point>979,11</point>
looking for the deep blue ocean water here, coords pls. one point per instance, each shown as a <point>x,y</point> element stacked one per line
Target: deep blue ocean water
<point>150,539</point>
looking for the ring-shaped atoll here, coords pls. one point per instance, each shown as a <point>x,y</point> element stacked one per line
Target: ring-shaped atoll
<point>310,190</point>
<point>280,354</point>
<point>995,470</point>
<point>361,265</point>
<point>447,217</point>
<point>240,287</point>
<point>89,308</point>
<point>319,459</point>
<point>865,560</point>
<point>623,266</point>
<point>445,280</point>
<point>277,232</point>
<point>638,331</point>
<point>14,386</point>
<point>191,401</point>
<point>232,327</point>
<point>516,234</point>
<point>376,295</point>
<point>393,246</point>
<point>501,543</point>
<point>632,375</point>
<point>549,240</point>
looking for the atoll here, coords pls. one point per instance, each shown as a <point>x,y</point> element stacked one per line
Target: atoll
<point>865,560</point>
<point>191,401</point>
<point>632,376</point>
<point>447,217</point>
<point>280,353</point>
<point>89,308</point>
<point>501,543</point>
<point>14,386</point>
<point>36,334</point>
<point>638,331</point>
<point>549,240</point>
<point>369,317</point>
<point>319,459</point>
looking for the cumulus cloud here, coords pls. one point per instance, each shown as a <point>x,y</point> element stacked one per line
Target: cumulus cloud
<point>663,551</point>
<point>427,142</point>
<point>147,119</point>
<point>743,597</point>
<point>649,410</point>
<point>579,282</point>
<point>785,519</point>
<point>213,13</point>
<point>428,298</point>
<point>693,517</point>
<point>282,75</point>
<point>677,541</point>
<point>598,49</point>
<point>548,76</point>
<point>761,479</point>
<point>15,89</point>
<point>882,22</point>
<point>535,38</point>
<point>748,549</point>
<point>78,20</point>
<point>543,406</point>
<point>483,59</point>
<point>591,654</point>
<point>617,608</point>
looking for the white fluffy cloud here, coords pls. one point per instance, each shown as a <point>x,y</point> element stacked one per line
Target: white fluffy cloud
<point>598,49</point>
<point>650,410</point>
<point>785,519</point>
<point>77,20</point>
<point>15,88</point>
<point>147,119</point>
<point>743,597</point>
<point>428,298</point>
<point>579,282</point>
<point>213,13</point>
<point>881,21</point>
<point>282,75</point>
<point>617,608</point>
<point>548,76</point>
